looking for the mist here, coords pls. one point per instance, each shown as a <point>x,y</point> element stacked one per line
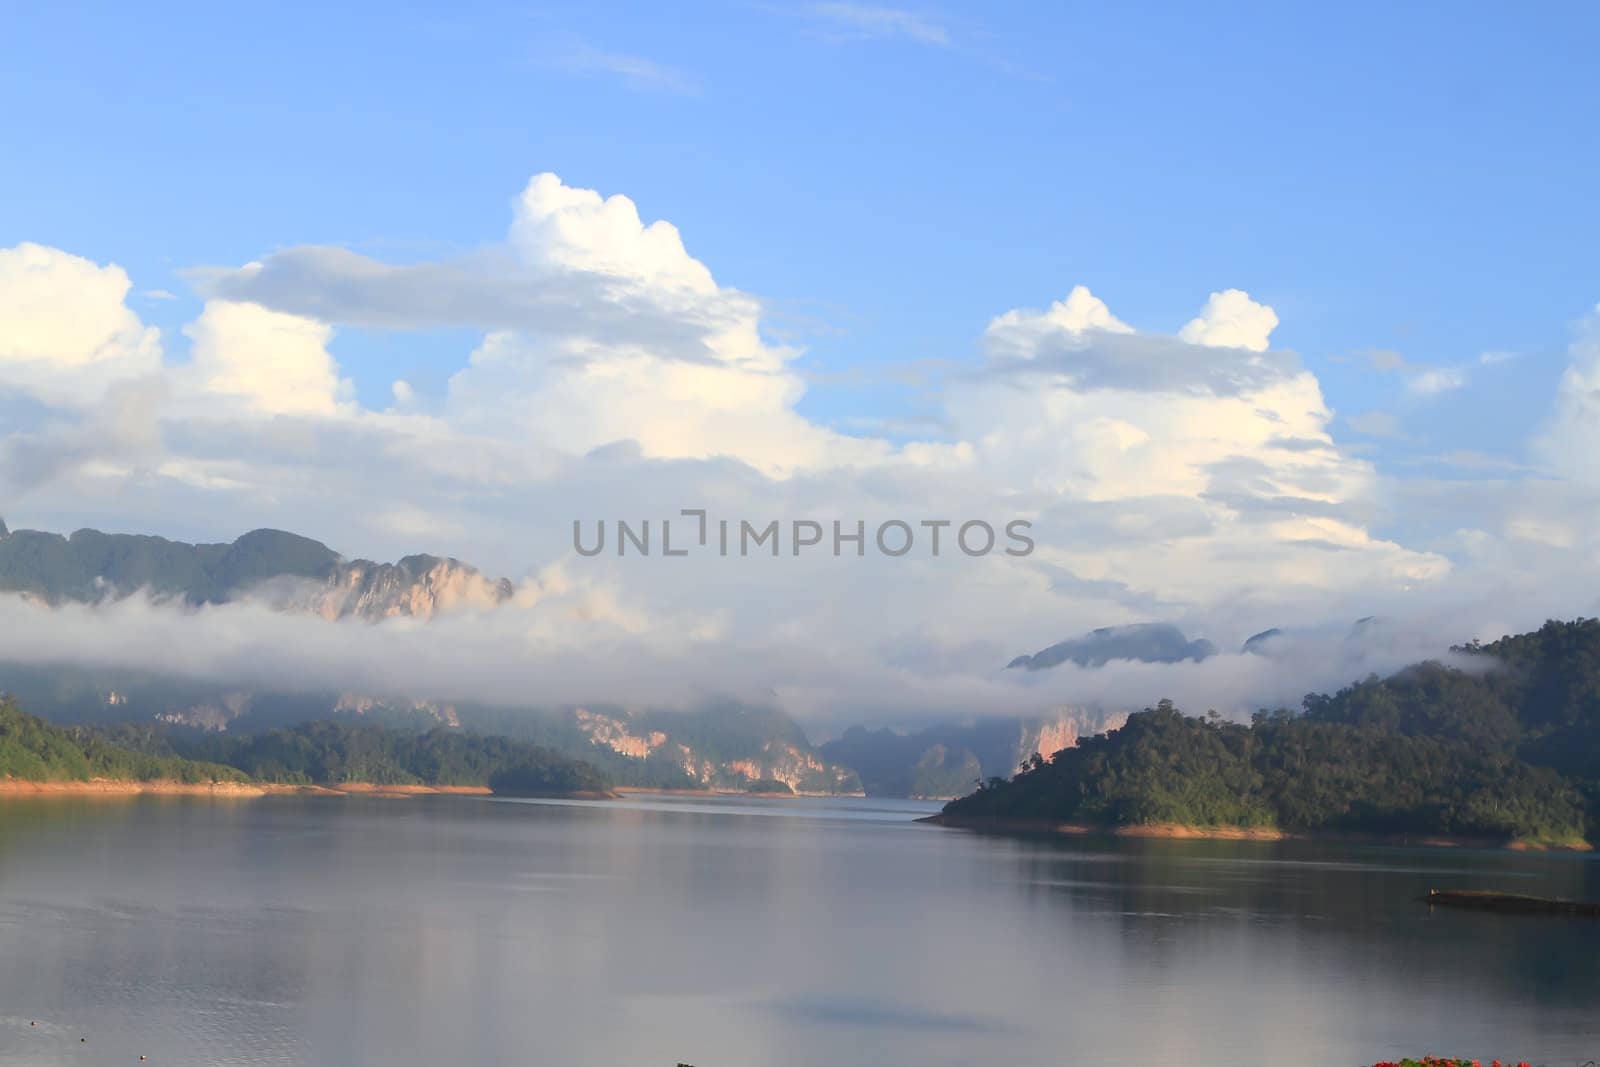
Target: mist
<point>561,649</point>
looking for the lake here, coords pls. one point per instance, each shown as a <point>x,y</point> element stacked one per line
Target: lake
<point>746,933</point>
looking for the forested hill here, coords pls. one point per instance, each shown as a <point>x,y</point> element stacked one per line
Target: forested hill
<point>1505,746</point>
<point>33,750</point>
<point>316,753</point>
<point>335,753</point>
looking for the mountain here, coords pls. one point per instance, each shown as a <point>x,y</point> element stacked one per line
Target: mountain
<point>719,746</point>
<point>1508,750</point>
<point>1371,631</point>
<point>1153,642</point>
<point>1257,643</point>
<point>945,760</point>
<point>291,572</point>
<point>319,753</point>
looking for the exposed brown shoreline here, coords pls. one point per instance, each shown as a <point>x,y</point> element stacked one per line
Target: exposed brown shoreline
<point>112,787</point>
<point>648,791</point>
<point>1178,831</point>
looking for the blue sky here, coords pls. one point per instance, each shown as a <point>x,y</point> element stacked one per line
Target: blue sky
<point>1263,315</point>
<point>1413,178</point>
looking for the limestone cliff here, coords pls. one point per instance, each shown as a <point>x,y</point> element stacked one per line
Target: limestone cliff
<point>1049,736</point>
<point>950,759</point>
<point>420,586</point>
<point>781,756</point>
<point>288,571</point>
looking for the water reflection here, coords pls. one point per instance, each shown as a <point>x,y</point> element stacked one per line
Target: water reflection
<point>748,932</point>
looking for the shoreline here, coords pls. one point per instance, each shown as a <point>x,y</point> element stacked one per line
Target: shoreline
<point>121,787</point>
<point>628,790</point>
<point>1179,831</point>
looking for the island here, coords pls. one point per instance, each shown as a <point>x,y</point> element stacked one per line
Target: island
<point>1497,747</point>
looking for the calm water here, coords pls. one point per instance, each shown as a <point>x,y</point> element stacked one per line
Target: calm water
<point>745,933</point>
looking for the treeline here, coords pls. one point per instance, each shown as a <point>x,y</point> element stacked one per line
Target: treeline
<point>34,750</point>
<point>1504,744</point>
<point>562,733</point>
<point>314,753</point>
<point>333,753</point>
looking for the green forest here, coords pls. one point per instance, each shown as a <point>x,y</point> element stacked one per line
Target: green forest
<point>313,753</point>
<point>34,750</point>
<point>1502,743</point>
<point>331,753</point>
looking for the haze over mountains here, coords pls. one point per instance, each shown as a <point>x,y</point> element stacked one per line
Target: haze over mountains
<point>1144,642</point>
<point>293,571</point>
<point>718,744</point>
<point>449,611</point>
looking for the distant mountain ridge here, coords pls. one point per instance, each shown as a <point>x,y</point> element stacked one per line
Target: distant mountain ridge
<point>715,746</point>
<point>1151,642</point>
<point>292,572</point>
<point>719,746</point>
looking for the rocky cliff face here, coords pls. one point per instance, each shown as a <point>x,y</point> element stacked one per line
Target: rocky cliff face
<point>779,758</point>
<point>213,716</point>
<point>424,711</point>
<point>950,759</point>
<point>419,586</point>
<point>1049,736</point>
<point>289,572</point>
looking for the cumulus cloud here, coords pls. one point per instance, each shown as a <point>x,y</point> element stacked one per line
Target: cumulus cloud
<point>1231,319</point>
<point>269,361</point>
<point>66,332</point>
<point>1190,477</point>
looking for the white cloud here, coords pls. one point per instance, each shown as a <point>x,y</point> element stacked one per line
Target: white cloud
<point>270,361</point>
<point>1019,333</point>
<point>1231,319</point>
<point>1431,381</point>
<point>65,329</point>
<point>1081,407</point>
<point>1189,477</point>
<point>725,393</point>
<point>560,227</point>
<point>1421,379</point>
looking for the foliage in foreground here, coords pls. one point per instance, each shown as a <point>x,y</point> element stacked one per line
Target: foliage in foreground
<point>1445,1061</point>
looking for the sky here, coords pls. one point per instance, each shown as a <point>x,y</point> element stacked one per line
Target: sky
<point>1260,314</point>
